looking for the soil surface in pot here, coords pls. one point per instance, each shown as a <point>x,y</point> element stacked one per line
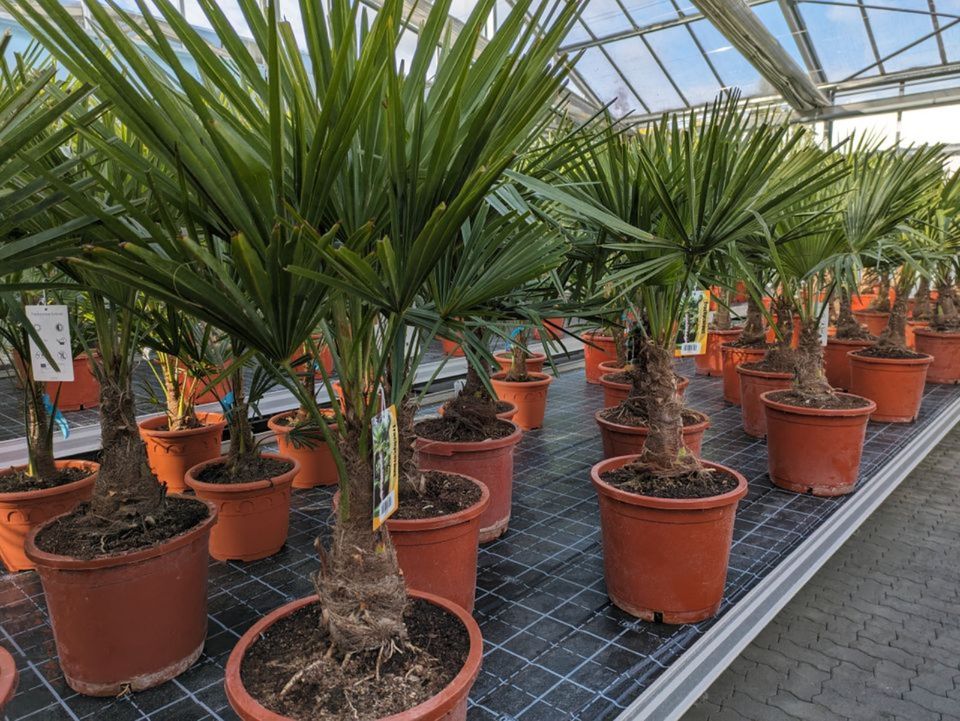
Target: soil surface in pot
<point>626,417</point>
<point>640,478</point>
<point>17,480</point>
<point>261,469</point>
<point>504,406</point>
<point>741,343</point>
<point>626,378</point>
<point>192,423</point>
<point>840,402</point>
<point>889,352</point>
<point>445,494</point>
<point>327,690</point>
<point>779,363</point>
<point>443,429</point>
<point>84,536</point>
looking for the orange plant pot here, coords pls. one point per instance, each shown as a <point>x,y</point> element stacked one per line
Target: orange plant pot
<point>665,559</point>
<point>894,384</point>
<point>862,301</point>
<point>509,414</point>
<point>8,678</point>
<point>814,450</point>
<point>623,440</point>
<point>711,362</point>
<point>874,320</point>
<point>753,384</point>
<point>615,393</point>
<point>733,357</point>
<point>489,461</point>
<point>439,555</point>
<point>24,511</point>
<point>317,467</point>
<point>448,705</point>
<point>451,348</point>
<point>204,393</point>
<point>534,362</point>
<point>771,336</point>
<point>128,621</point>
<point>910,331</point>
<point>253,517</point>
<point>172,453</point>
<point>553,327</point>
<point>597,348</point>
<point>945,349</point>
<point>836,360</point>
<point>324,360</point>
<point>81,393</point>
<point>530,398</point>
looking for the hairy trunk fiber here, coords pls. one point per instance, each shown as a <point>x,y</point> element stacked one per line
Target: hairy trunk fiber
<point>847,326</point>
<point>721,318</point>
<point>946,316</point>
<point>810,381</point>
<point>518,362</point>
<point>895,334</point>
<point>473,408</point>
<point>782,357</point>
<point>619,345</point>
<point>882,302</point>
<point>753,333</point>
<point>359,583</point>
<point>922,310</point>
<point>39,446</point>
<point>243,447</point>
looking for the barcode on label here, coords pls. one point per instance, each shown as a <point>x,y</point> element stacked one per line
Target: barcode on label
<point>690,348</point>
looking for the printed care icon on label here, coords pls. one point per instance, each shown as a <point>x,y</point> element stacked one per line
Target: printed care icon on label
<point>51,324</point>
<point>386,466</point>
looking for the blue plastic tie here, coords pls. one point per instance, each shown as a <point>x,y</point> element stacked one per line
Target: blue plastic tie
<point>57,416</point>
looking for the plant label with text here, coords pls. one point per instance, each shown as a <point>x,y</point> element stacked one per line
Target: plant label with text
<point>693,325</point>
<point>386,466</point>
<point>51,323</point>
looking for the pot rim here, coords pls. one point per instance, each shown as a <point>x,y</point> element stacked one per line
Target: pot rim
<point>540,380</point>
<point>69,563</point>
<point>725,331</point>
<point>926,330</point>
<point>682,381</point>
<point>16,496</point>
<point>772,375</point>
<point>692,428</point>
<point>823,412</point>
<point>274,425</point>
<point>676,504</point>
<point>857,342</point>
<point>433,707</point>
<point>596,336</point>
<point>866,311</point>
<point>8,676</point>
<point>487,444</point>
<point>203,416</point>
<point>925,361</point>
<point>728,348</point>
<point>450,519</point>
<point>505,354</point>
<point>227,488</point>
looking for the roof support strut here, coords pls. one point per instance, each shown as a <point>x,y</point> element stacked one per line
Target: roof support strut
<point>749,35</point>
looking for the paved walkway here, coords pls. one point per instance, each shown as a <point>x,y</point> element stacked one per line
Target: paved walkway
<point>876,633</point>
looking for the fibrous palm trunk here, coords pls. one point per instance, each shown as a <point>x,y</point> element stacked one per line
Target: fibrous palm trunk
<point>848,328</point>
<point>42,465</point>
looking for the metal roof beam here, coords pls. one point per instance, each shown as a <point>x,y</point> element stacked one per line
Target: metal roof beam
<point>740,25</point>
<point>798,28</point>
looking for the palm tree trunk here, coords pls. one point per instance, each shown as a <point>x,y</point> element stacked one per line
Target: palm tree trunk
<point>847,326</point>
<point>721,318</point>
<point>894,336</point>
<point>922,310</point>
<point>946,316</point>
<point>653,396</point>
<point>753,333</point>
<point>39,446</point>
<point>882,301</point>
<point>810,380</point>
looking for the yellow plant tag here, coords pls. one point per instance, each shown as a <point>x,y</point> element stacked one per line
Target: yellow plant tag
<point>692,329</point>
<point>386,466</point>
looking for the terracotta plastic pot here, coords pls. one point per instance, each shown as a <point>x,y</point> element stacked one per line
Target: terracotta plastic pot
<point>21,512</point>
<point>204,393</point>
<point>815,450</point>
<point>609,367</point>
<point>8,677</point>
<point>253,517</point>
<point>82,392</point>
<point>711,362</point>
<point>945,349</point>
<point>489,461</point>
<point>451,348</point>
<point>615,393</point>
<point>874,320</point>
<point>862,301</point>
<point>894,384</point>
<point>753,384</point>
<point>794,335</point>
<point>910,331</point>
<point>316,464</point>
<point>597,348</point>
<point>439,555</point>
<point>836,361</point>
<point>510,414</point>
<point>172,453</point>
<point>553,326</point>
<point>732,358</point>
<point>623,440</point>
<point>324,360</point>
<point>665,559</point>
<point>448,705</point>
<point>534,362</point>
<point>132,620</point>
<point>530,398</point>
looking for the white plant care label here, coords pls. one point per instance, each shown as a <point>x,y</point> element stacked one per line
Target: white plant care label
<point>52,325</point>
<point>824,326</point>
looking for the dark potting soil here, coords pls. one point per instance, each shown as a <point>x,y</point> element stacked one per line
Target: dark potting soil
<point>192,424</point>
<point>504,406</point>
<point>327,690</point>
<point>625,415</point>
<point>839,402</point>
<point>262,469</point>
<point>771,365</point>
<point>16,480</point>
<point>444,429</point>
<point>947,329</point>
<point>640,478</point>
<point>741,343</point>
<point>85,536</point>
<point>891,352</point>
<point>625,378</point>
<point>444,495</point>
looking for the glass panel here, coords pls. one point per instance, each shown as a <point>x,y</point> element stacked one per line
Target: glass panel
<point>951,36</point>
<point>882,127</point>
<point>772,17</point>
<point>683,60</point>
<point>648,12</point>
<point>838,34</point>
<point>894,30</point>
<point>733,68</point>
<point>931,125</point>
<point>606,83</point>
<point>640,68</point>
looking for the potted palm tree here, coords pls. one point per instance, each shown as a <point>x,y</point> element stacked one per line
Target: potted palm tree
<point>522,385</point>
<point>721,331</point>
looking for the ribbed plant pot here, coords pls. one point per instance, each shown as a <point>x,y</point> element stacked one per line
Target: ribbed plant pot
<point>753,384</point>
<point>711,362</point>
<point>732,358</point>
<point>553,327</point>
<point>665,559</point>
<point>862,301</point>
<point>597,348</point>
<point>945,349</point>
<point>24,511</point>
<point>874,320</point>
<point>836,360</point>
<point>614,392</point>
<point>894,384</point>
<point>534,361</point>
<point>172,453</point>
<point>82,393</point>
<point>489,461</point>
<point>8,678</point>
<point>815,450</point>
<point>530,397</point>
<point>439,555</point>
<point>623,440</point>
<point>510,413</point>
<point>448,705</point>
<point>253,517</point>
<point>451,348</point>
<point>315,460</point>
<point>910,331</point>
<point>128,621</point>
